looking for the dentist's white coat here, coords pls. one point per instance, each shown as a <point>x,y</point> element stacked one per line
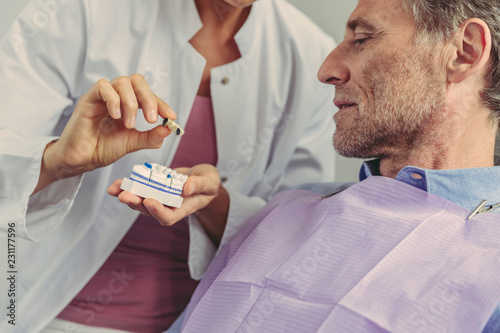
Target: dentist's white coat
<point>273,121</point>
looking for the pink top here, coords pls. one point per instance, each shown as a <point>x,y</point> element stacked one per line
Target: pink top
<point>145,283</point>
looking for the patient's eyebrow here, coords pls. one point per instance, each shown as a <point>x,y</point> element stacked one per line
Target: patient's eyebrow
<point>360,23</point>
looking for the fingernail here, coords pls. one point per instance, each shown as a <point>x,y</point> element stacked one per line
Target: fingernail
<point>131,122</point>
<point>191,191</point>
<point>151,209</point>
<point>153,116</point>
<point>117,114</point>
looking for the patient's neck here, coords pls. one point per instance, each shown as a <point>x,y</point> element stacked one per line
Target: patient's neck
<point>469,146</point>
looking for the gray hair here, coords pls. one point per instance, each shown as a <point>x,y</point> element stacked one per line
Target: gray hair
<point>439,20</point>
<point>497,150</point>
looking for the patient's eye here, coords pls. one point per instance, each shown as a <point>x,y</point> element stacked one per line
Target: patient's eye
<point>360,39</point>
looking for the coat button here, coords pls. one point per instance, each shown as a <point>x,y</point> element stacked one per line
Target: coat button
<point>225,80</point>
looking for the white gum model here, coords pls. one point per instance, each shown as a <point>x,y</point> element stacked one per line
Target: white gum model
<point>151,180</point>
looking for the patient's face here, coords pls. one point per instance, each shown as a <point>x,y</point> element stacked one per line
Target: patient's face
<point>388,88</point>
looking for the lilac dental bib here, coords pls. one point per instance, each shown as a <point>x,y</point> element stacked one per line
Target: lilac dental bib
<point>381,256</point>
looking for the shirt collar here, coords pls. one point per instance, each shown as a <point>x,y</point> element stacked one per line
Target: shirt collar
<point>245,37</point>
<point>186,18</point>
<point>189,23</point>
<point>464,187</point>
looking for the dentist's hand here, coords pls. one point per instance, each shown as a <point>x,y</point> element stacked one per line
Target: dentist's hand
<point>101,129</point>
<point>203,196</point>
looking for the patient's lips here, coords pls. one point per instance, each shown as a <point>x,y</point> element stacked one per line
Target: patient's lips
<point>341,104</point>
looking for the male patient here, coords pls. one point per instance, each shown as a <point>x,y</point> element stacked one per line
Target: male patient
<point>414,246</point>
<point>418,88</point>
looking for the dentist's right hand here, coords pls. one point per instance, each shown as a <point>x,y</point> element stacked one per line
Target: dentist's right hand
<point>101,129</point>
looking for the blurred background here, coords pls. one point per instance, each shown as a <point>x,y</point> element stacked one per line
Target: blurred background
<point>330,15</point>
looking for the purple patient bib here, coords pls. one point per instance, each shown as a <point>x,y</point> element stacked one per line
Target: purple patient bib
<point>382,256</point>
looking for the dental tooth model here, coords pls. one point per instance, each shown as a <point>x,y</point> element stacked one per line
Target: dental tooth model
<point>172,125</point>
<point>151,180</point>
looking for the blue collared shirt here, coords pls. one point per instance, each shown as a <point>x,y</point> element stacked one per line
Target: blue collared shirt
<point>464,187</point>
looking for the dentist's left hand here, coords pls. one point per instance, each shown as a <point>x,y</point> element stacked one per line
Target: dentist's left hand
<point>101,129</point>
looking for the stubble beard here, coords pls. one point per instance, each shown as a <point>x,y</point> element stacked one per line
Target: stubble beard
<point>402,96</point>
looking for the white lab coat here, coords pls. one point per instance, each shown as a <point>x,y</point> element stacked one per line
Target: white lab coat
<point>273,122</point>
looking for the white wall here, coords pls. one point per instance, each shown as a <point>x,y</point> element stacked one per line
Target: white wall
<point>330,15</point>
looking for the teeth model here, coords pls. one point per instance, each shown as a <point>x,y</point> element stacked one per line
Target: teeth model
<point>173,126</point>
<point>151,180</point>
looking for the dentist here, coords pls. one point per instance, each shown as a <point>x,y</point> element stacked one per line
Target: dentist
<point>240,76</point>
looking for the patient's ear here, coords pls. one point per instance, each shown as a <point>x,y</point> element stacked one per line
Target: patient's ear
<point>470,52</point>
